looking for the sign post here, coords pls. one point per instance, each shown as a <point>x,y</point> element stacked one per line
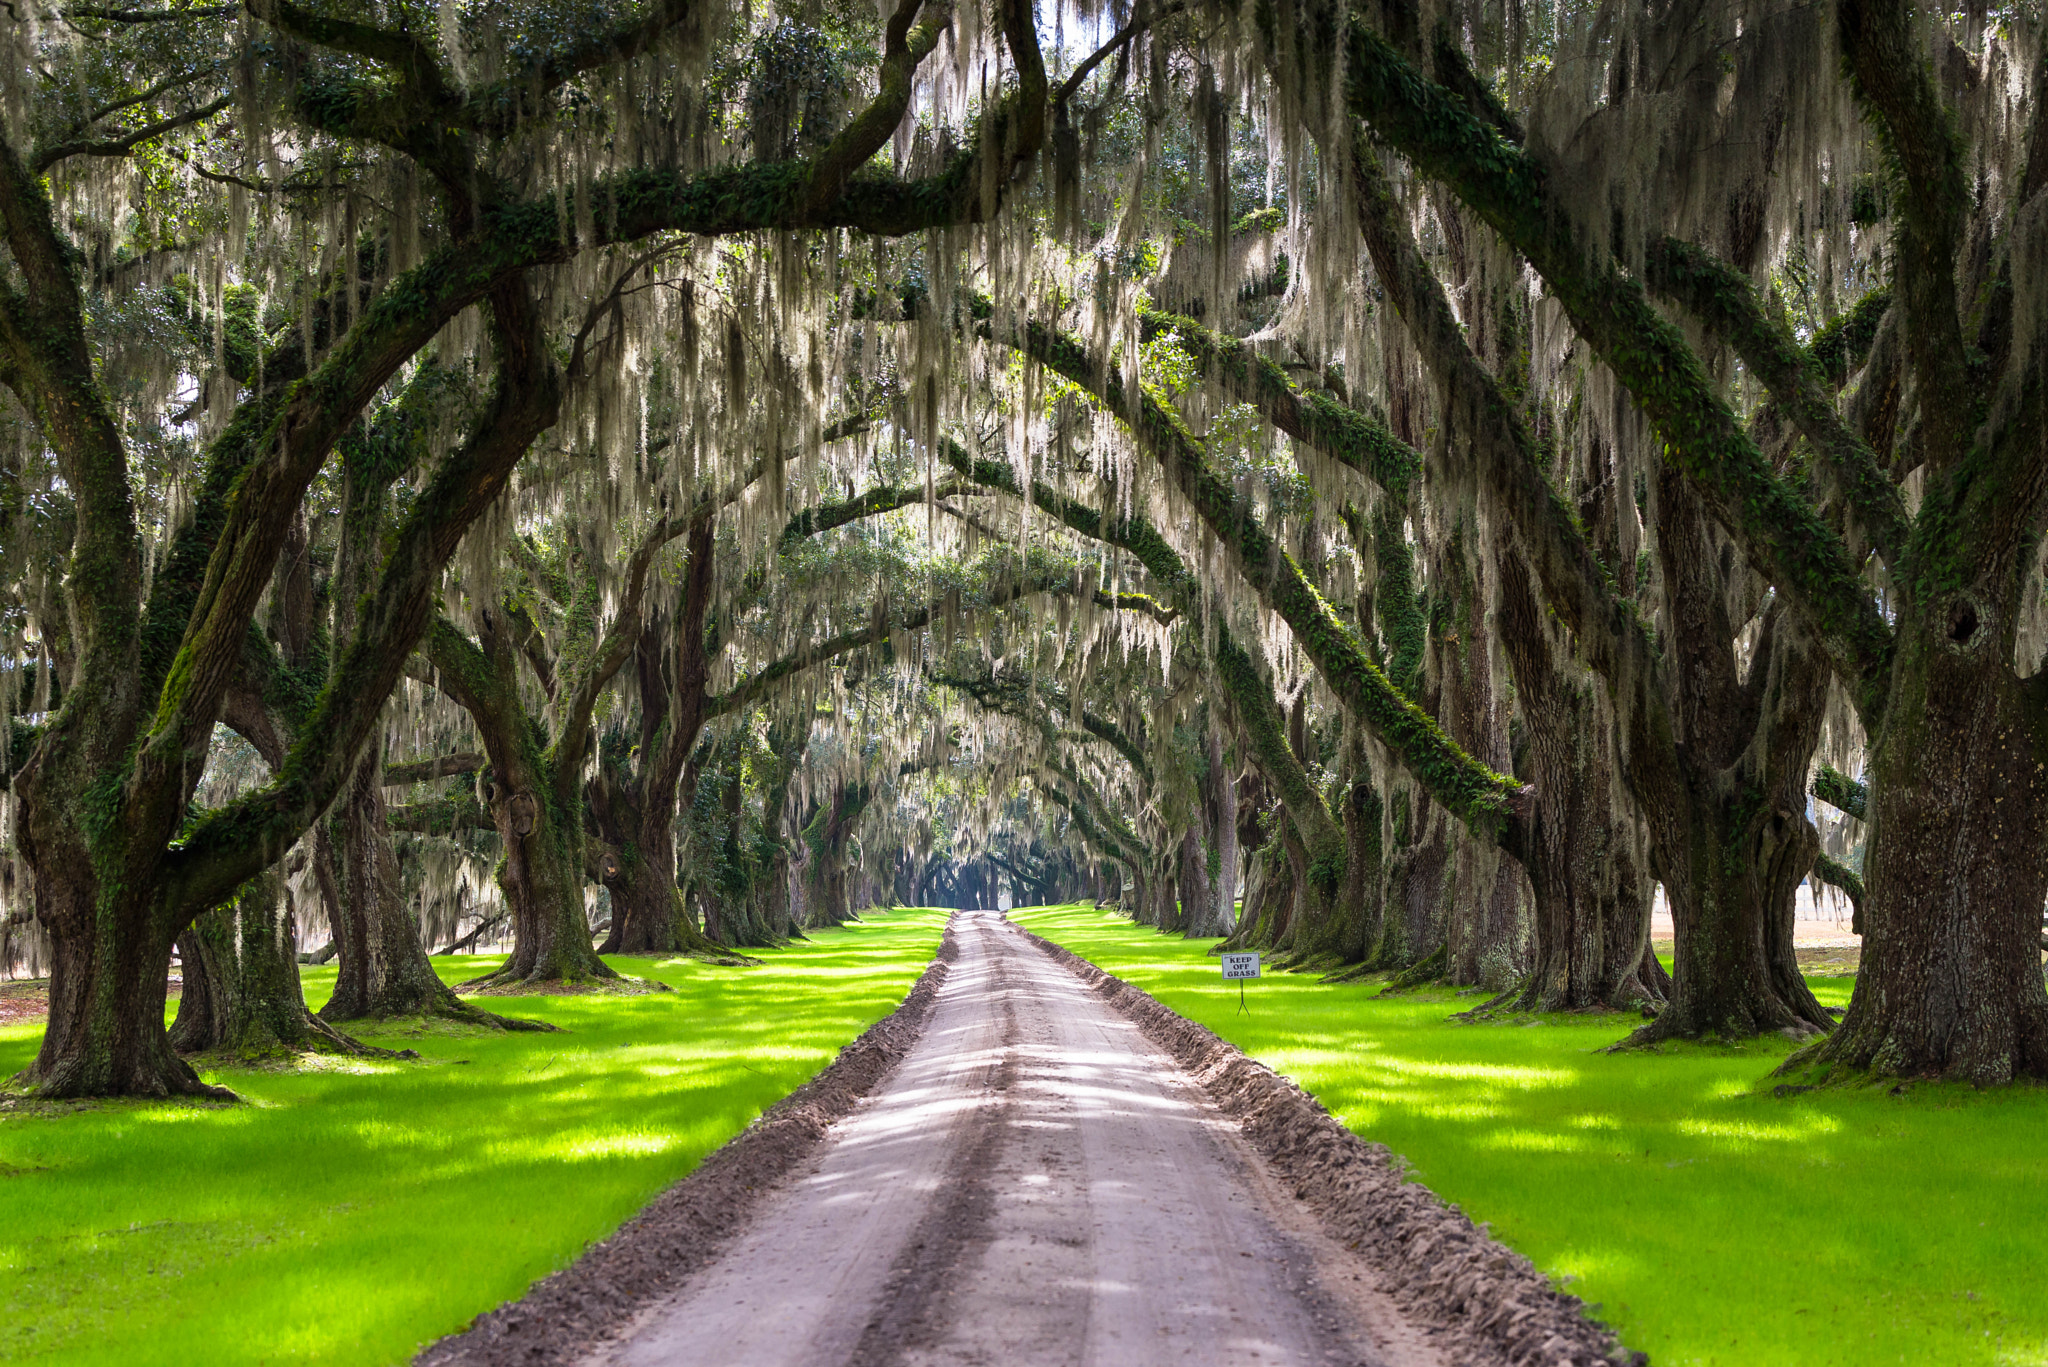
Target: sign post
<point>1240,967</point>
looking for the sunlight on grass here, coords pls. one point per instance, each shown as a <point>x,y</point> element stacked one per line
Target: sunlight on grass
<point>1478,1072</point>
<point>1748,1132</point>
<point>1710,1221</point>
<point>352,1216</point>
<point>1536,1141</point>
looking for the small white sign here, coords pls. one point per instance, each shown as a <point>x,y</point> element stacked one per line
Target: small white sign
<point>1240,965</point>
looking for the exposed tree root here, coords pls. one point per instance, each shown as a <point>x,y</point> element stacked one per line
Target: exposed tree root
<point>454,1009</point>
<point>312,1036</point>
<point>174,1081</point>
<point>1505,1003</point>
<point>1671,1025</point>
<point>1428,969</point>
<point>614,985</point>
<point>715,955</point>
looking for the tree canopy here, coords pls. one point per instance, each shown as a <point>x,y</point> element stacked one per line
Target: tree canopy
<point>649,479</point>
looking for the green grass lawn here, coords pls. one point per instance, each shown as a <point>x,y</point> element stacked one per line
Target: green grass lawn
<point>1712,1221</point>
<point>355,1212</point>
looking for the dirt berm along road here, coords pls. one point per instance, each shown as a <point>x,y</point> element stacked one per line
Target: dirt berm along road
<point>1034,1183</point>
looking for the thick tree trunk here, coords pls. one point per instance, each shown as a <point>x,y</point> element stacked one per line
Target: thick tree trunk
<point>384,971</point>
<point>108,985</point>
<point>241,994</point>
<point>1164,906</point>
<point>541,877</point>
<point>1197,908</point>
<point>1343,931</point>
<point>735,889</point>
<point>648,912</point>
<point>1269,891</point>
<point>774,890</point>
<point>1956,868</point>
<point>1488,944</point>
<point>1364,923</point>
<point>1415,923</point>
<point>540,873</point>
<point>1723,983</point>
<point>773,905</point>
<point>829,835</point>
<point>1744,850</point>
<point>1300,904</point>
<point>742,923</point>
<point>1480,909</point>
<point>832,904</point>
<point>1589,872</point>
<point>1732,871</point>
<point>1592,907</point>
<point>1724,796</point>
<point>1109,885</point>
<point>1254,901</point>
<point>1785,848</point>
<point>636,811</point>
<point>1223,786</point>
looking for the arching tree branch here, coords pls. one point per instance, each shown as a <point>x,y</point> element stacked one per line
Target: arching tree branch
<point>1838,790</point>
<point>1779,532</point>
<point>1727,304</point>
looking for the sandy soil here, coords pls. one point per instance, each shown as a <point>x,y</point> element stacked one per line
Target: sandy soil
<point>1480,1303</point>
<point>28,999</point>
<point>1035,1183</point>
<point>24,999</point>
<point>1033,1162</point>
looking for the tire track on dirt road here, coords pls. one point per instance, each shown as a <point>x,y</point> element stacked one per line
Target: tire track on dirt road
<point>1034,1183</point>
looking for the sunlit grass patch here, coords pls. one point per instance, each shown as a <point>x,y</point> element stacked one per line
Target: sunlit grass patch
<point>1713,1222</point>
<point>351,1216</point>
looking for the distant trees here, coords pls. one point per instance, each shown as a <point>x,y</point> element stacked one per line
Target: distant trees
<point>1392,489</point>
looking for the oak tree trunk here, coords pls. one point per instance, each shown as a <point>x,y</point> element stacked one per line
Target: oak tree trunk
<point>1731,909</point>
<point>1589,869</point>
<point>1956,870</point>
<point>383,970</point>
<point>109,970</point>
<point>1223,785</point>
<point>1350,936</point>
<point>1197,907</point>
<point>241,994</point>
<point>1724,794</point>
<point>541,878</point>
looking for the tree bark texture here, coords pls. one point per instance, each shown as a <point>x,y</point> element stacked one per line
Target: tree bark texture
<point>1590,873</point>
<point>1197,906</point>
<point>1950,983</point>
<point>541,871</point>
<point>1223,788</point>
<point>241,995</point>
<point>1481,911</point>
<point>1725,796</point>
<point>110,958</point>
<point>829,835</point>
<point>384,971</point>
<point>635,808</point>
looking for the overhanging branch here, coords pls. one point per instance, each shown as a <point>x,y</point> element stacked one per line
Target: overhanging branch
<point>1727,304</point>
<point>1782,535</point>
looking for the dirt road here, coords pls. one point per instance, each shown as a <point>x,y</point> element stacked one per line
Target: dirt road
<point>1034,1184</point>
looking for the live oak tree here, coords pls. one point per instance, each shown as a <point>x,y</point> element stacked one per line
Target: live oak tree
<point>1951,983</point>
<point>151,647</point>
<point>1452,471</point>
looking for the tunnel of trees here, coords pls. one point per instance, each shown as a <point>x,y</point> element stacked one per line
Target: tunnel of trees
<point>1390,485</point>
